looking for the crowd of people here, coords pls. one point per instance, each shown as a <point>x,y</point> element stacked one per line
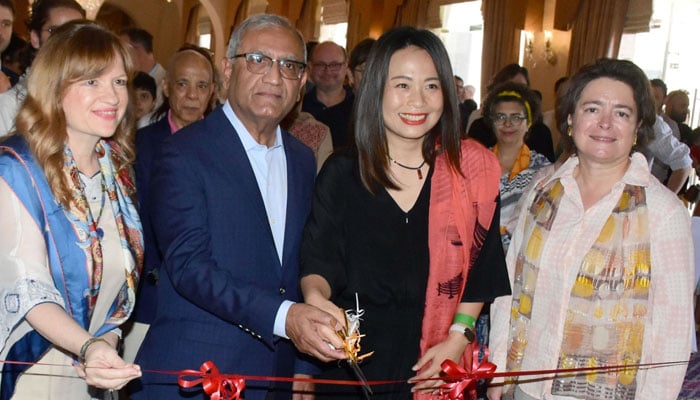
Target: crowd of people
<point>158,216</point>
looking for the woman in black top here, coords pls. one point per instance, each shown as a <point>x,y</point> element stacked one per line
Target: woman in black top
<point>368,233</point>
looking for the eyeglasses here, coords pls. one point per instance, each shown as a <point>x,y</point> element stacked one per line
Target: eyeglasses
<point>333,67</point>
<point>513,119</point>
<point>261,64</point>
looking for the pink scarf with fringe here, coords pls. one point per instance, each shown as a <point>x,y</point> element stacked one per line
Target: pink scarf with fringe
<point>461,210</point>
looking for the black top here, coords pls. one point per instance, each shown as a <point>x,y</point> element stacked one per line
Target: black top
<point>538,138</point>
<point>366,244</point>
<point>687,135</point>
<point>337,117</point>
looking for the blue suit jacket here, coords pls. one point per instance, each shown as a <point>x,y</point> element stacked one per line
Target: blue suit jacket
<point>221,282</point>
<point>148,141</point>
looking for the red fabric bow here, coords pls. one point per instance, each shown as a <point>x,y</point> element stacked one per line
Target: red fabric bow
<point>217,386</point>
<point>458,380</point>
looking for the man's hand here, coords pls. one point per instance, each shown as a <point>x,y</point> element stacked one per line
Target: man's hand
<point>314,332</point>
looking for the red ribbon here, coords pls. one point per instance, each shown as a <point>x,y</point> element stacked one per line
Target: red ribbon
<point>216,385</point>
<point>459,380</point>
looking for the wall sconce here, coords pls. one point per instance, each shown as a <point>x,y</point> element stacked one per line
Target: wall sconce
<point>528,45</point>
<point>549,55</point>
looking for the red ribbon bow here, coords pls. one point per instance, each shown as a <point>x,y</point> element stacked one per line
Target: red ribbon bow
<point>216,385</point>
<point>458,380</point>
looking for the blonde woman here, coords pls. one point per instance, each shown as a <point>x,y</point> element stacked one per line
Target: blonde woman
<point>70,242</point>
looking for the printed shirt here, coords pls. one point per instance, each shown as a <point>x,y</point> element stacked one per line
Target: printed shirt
<point>512,189</point>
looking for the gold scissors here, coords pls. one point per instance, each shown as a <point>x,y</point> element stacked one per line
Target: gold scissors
<point>351,338</point>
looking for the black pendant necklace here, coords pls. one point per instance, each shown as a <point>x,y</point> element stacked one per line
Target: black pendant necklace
<point>417,169</point>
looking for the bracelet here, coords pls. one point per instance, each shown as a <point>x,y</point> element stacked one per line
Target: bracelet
<point>466,331</point>
<point>85,346</point>
<point>457,328</point>
<point>465,319</point>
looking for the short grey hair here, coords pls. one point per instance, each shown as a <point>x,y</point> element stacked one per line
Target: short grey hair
<point>261,21</point>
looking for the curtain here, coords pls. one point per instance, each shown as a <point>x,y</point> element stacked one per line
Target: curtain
<point>310,13</point>
<point>411,13</point>
<point>503,20</point>
<point>192,31</point>
<point>596,32</point>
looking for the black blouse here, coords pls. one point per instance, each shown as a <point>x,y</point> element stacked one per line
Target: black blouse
<point>366,244</point>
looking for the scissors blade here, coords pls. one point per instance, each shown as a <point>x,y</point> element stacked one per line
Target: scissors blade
<point>366,389</point>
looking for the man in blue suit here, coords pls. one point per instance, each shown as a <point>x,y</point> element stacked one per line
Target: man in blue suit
<point>230,196</point>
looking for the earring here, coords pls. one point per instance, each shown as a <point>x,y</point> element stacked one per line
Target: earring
<point>634,143</point>
<point>569,131</point>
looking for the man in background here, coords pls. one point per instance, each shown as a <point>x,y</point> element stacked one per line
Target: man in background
<point>676,109</point>
<point>659,90</point>
<point>140,45</point>
<point>329,101</point>
<point>7,18</point>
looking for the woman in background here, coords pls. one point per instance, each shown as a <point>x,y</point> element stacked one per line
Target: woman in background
<point>510,110</point>
<point>539,137</point>
<point>70,243</point>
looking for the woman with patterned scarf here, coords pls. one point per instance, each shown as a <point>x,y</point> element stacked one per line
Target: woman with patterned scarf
<point>70,242</point>
<point>601,258</point>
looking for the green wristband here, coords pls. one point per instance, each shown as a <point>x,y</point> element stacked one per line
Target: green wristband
<point>465,319</point>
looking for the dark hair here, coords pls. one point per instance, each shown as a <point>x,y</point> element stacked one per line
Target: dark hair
<point>165,106</point>
<point>659,84</point>
<point>515,92</point>
<point>359,54</point>
<point>139,36</point>
<point>368,121</point>
<point>620,70</point>
<point>560,82</point>
<point>8,4</point>
<point>310,46</point>
<point>19,51</point>
<point>145,82</point>
<point>42,8</point>
<point>507,73</point>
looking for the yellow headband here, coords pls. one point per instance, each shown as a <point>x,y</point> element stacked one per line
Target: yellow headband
<point>512,93</point>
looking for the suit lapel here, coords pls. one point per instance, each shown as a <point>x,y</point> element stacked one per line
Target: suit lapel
<point>240,174</point>
<point>294,196</point>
